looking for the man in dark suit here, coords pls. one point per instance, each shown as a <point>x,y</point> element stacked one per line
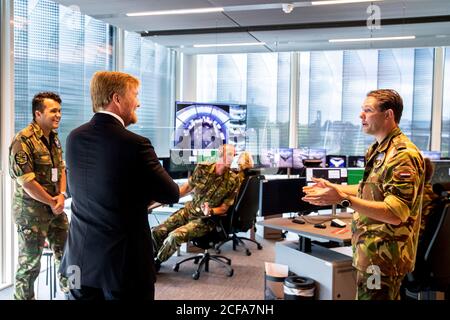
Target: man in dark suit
<point>113,175</point>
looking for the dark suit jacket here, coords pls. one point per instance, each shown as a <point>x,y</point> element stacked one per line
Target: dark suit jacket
<point>113,174</point>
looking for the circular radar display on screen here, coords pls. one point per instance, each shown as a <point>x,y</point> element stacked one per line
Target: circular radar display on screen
<point>201,127</point>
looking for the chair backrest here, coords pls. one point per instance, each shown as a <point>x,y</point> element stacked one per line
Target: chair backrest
<point>437,255</point>
<point>243,212</point>
<point>218,234</point>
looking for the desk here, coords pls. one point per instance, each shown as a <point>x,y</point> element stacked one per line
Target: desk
<point>332,271</point>
<point>307,230</point>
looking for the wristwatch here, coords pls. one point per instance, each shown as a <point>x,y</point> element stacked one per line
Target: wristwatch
<point>346,203</point>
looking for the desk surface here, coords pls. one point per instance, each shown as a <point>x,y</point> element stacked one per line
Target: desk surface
<point>341,235</point>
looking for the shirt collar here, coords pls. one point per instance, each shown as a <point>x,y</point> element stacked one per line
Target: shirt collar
<point>381,147</point>
<point>38,130</point>
<point>114,115</point>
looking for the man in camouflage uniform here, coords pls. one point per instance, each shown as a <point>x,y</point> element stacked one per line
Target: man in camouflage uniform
<point>37,166</point>
<point>387,202</point>
<point>214,189</point>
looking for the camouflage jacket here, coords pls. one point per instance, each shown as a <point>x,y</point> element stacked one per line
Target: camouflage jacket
<point>212,188</point>
<point>394,174</point>
<point>29,158</point>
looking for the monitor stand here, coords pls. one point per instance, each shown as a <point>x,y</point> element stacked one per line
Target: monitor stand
<point>333,210</point>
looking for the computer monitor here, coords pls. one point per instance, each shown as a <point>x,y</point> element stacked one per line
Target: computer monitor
<point>268,158</point>
<point>285,157</point>
<point>356,162</point>
<point>302,155</point>
<point>180,174</point>
<point>276,158</point>
<point>318,154</point>
<point>298,155</point>
<point>283,195</point>
<point>182,160</point>
<point>209,125</point>
<point>335,161</point>
<point>432,155</point>
<point>441,171</point>
<point>206,155</point>
<point>354,175</point>
<point>334,175</point>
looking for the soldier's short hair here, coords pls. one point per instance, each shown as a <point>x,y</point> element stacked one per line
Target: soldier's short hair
<point>38,101</point>
<point>389,99</point>
<point>429,169</point>
<point>105,83</point>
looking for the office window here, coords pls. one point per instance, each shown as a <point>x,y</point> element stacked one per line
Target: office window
<point>154,65</point>
<point>445,137</point>
<point>57,49</point>
<point>334,84</point>
<point>262,81</point>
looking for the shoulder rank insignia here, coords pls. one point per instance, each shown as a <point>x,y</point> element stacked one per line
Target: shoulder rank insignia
<point>379,160</point>
<point>21,158</point>
<point>57,144</point>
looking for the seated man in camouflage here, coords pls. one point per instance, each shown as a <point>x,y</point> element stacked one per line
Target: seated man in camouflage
<point>214,188</point>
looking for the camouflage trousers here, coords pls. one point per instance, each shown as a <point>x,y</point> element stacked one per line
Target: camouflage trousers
<point>389,288</point>
<point>180,227</point>
<point>34,226</point>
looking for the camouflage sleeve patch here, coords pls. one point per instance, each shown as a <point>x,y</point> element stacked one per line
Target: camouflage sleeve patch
<point>404,174</point>
<point>402,184</point>
<point>21,158</point>
<point>21,166</point>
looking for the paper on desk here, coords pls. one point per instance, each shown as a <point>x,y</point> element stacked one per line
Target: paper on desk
<point>344,250</point>
<point>276,270</point>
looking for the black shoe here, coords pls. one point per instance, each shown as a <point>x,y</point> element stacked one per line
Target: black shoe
<point>157,265</point>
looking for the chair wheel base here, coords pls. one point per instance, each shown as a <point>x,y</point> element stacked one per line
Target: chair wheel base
<point>176,268</point>
<point>248,253</point>
<point>196,275</point>
<point>230,273</point>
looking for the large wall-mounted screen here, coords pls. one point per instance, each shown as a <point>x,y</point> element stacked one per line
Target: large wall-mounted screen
<point>209,125</point>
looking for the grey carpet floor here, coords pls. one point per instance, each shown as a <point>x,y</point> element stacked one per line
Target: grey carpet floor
<point>247,282</point>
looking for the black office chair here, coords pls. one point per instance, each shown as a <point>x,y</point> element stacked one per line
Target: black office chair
<point>242,215</point>
<point>432,269</point>
<point>208,242</point>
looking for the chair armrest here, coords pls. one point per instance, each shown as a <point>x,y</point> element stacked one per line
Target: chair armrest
<point>152,206</point>
<point>213,217</point>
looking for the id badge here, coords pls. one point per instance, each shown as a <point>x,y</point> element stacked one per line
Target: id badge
<point>54,174</point>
